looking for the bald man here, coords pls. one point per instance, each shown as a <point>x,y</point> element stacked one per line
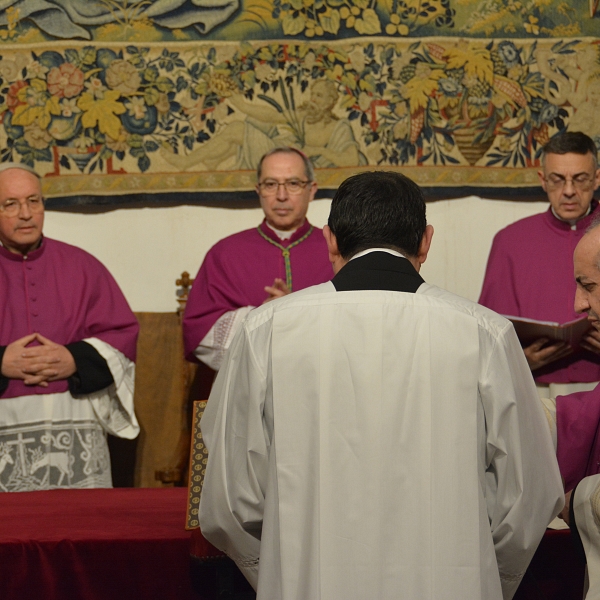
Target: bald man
<point>67,351</point>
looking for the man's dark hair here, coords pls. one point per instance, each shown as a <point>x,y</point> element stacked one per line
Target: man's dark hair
<point>571,142</point>
<point>378,209</point>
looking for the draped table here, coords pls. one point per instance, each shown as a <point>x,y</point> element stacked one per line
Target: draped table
<point>105,544</point>
<point>130,543</point>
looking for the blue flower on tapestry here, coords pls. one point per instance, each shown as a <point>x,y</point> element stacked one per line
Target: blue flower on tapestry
<point>509,53</point>
<point>548,113</point>
<point>450,87</point>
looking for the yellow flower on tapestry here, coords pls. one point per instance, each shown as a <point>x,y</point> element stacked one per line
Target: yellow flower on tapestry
<point>36,70</point>
<point>222,84</point>
<point>121,144</point>
<point>531,25</point>
<point>69,107</point>
<point>102,111</point>
<point>419,89</point>
<point>121,75</point>
<point>476,61</point>
<point>395,26</point>
<point>136,108</point>
<point>13,15</point>
<point>35,105</point>
<point>36,137</point>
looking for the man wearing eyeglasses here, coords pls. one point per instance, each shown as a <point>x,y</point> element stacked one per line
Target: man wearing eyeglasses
<point>284,253</point>
<point>530,268</point>
<point>67,346</point>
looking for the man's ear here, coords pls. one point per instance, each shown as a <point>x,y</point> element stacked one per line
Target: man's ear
<point>542,179</point>
<point>335,258</point>
<point>425,245</point>
<point>313,190</point>
<point>331,240</point>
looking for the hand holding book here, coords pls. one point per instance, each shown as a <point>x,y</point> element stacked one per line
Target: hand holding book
<point>591,341</point>
<point>545,342</point>
<point>539,354</point>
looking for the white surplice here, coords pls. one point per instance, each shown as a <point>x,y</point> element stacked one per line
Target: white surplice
<point>376,444</point>
<point>50,441</point>
<point>586,512</point>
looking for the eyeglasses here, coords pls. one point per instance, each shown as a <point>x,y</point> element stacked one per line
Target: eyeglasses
<point>12,207</point>
<point>583,182</point>
<point>292,186</point>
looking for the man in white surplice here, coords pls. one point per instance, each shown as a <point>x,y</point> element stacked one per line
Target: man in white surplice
<point>376,436</point>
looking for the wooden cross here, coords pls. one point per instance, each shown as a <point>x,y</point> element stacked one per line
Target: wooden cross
<point>185,283</point>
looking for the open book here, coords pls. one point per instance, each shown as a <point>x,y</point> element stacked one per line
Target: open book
<point>529,330</point>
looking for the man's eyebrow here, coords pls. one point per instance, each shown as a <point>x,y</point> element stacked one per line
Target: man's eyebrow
<point>564,176</point>
<point>16,199</point>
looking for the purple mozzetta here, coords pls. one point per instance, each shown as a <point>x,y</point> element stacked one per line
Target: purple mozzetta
<point>237,269</point>
<point>65,294</point>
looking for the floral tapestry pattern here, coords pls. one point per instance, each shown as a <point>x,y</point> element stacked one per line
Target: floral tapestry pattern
<point>114,117</point>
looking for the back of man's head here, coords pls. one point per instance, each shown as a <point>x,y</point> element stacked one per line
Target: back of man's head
<point>378,209</point>
<point>571,142</point>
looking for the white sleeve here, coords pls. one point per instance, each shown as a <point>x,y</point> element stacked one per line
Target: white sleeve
<point>114,405</point>
<point>523,488</point>
<point>585,502</point>
<point>212,348</point>
<point>239,443</point>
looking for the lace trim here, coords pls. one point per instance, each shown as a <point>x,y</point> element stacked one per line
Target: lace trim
<point>250,563</point>
<point>512,576</point>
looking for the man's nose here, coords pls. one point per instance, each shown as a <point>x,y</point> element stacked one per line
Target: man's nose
<point>282,192</point>
<point>24,210</point>
<point>569,188</point>
<point>581,303</point>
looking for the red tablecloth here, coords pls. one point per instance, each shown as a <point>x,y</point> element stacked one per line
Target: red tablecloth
<point>130,544</point>
<point>95,545</point>
<point>556,571</point>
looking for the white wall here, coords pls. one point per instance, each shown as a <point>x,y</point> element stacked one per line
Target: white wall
<point>147,249</point>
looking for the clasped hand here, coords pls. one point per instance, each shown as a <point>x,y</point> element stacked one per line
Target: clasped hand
<point>37,365</point>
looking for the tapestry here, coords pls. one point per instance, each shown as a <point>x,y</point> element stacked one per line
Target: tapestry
<point>121,97</point>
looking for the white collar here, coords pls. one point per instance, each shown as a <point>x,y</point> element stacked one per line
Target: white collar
<point>282,235</point>
<point>387,250</point>
<point>572,222</point>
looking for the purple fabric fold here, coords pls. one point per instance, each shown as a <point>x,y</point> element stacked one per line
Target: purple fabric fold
<point>578,449</point>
